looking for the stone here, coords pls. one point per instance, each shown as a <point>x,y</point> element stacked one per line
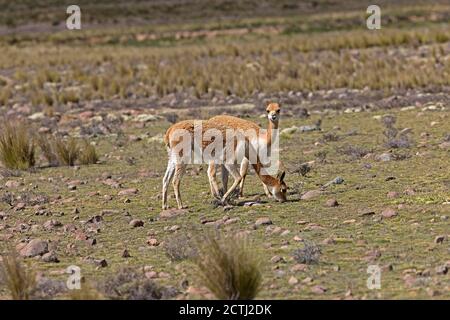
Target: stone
<point>384,157</point>
<point>331,203</point>
<point>392,194</point>
<point>318,289</point>
<point>50,257</point>
<point>128,192</point>
<point>276,259</point>
<point>11,184</point>
<point>172,213</point>
<point>153,242</point>
<point>263,221</point>
<point>126,254</point>
<point>311,194</point>
<point>135,223</point>
<point>440,239</point>
<point>299,267</point>
<point>293,281</point>
<point>35,247</point>
<point>51,224</point>
<point>441,270</point>
<point>388,213</point>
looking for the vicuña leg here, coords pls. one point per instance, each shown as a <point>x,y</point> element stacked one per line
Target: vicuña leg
<point>179,170</point>
<point>212,180</point>
<point>224,174</point>
<point>243,173</point>
<point>232,169</point>
<point>166,180</point>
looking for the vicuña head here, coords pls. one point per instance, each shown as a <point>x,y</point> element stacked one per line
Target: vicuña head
<point>273,112</point>
<point>279,189</point>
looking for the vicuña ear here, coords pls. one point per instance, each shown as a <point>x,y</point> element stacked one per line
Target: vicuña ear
<point>281,175</point>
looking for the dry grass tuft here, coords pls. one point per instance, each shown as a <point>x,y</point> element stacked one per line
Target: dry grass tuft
<point>46,144</point>
<point>19,280</point>
<point>228,267</point>
<point>16,146</point>
<point>88,154</point>
<point>67,151</point>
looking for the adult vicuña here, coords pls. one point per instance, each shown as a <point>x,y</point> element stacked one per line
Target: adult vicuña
<point>264,139</point>
<point>176,166</point>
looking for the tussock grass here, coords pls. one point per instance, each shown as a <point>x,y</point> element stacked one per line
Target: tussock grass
<point>88,154</point>
<point>67,151</point>
<point>19,280</point>
<point>228,267</point>
<point>17,149</point>
<point>46,144</point>
<point>298,62</point>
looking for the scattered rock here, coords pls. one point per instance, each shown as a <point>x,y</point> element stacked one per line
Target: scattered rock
<point>331,203</point>
<point>35,247</point>
<point>128,192</point>
<point>366,212</point>
<point>263,221</point>
<point>101,263</point>
<point>153,242</point>
<point>51,224</point>
<point>441,270</point>
<point>328,241</point>
<point>50,257</point>
<point>135,223</point>
<point>384,157</point>
<point>337,180</point>
<point>440,239</point>
<point>318,289</point>
<point>11,184</point>
<point>126,254</point>
<point>392,194</point>
<point>299,267</point>
<point>276,259</point>
<point>95,219</point>
<point>172,213</point>
<point>388,213</point>
<point>311,194</point>
<point>151,275</point>
<point>293,281</point>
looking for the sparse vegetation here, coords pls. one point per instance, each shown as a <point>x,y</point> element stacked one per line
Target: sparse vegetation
<point>309,254</point>
<point>132,285</point>
<point>16,146</point>
<point>228,267</point>
<point>395,138</point>
<point>179,247</point>
<point>354,152</point>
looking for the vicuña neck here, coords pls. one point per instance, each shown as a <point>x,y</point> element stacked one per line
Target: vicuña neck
<point>272,130</point>
<point>266,179</point>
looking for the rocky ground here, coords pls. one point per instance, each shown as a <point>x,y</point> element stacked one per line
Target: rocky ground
<point>358,197</point>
